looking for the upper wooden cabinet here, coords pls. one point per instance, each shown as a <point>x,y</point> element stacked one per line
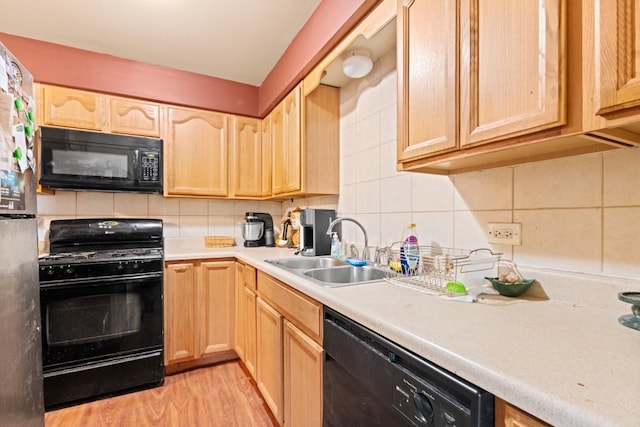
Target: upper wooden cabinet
<point>287,141</point>
<point>196,150</point>
<point>305,143</point>
<point>267,180</point>
<point>245,157</point>
<point>73,108</point>
<point>473,72</point>
<point>66,107</point>
<point>134,117</point>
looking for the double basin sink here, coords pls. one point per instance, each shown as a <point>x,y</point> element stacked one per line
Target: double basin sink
<point>330,272</point>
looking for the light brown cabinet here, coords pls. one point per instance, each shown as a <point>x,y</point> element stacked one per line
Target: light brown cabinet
<point>486,83</point>
<point>66,107</point>
<point>73,108</point>
<point>507,415</point>
<point>180,308</point>
<point>245,332</point>
<point>508,65</point>
<point>245,157</point>
<point>290,354</point>
<point>302,388</point>
<point>267,175</point>
<point>269,360</point>
<point>134,117</point>
<point>305,143</point>
<point>196,151</point>
<point>198,309</point>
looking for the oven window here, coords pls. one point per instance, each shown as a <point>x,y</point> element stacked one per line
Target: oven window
<point>93,318</point>
<point>89,163</point>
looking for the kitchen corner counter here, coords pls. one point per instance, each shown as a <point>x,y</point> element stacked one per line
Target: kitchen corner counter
<point>562,357</point>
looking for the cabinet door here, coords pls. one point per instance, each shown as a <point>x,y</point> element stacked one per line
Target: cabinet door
<point>216,299</point>
<point>292,141</point>
<point>427,77</point>
<point>240,322</point>
<point>246,152</point>
<point>266,157</point>
<point>508,415</point>
<point>618,29</point>
<point>250,337</point>
<point>196,152</point>
<point>73,108</point>
<point>180,303</point>
<point>277,145</point>
<point>302,378</point>
<point>269,352</point>
<point>512,68</point>
<point>134,117</point>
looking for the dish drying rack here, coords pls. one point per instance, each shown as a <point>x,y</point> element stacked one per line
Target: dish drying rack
<point>435,266</point>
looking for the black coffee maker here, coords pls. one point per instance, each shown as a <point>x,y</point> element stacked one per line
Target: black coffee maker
<point>257,230</point>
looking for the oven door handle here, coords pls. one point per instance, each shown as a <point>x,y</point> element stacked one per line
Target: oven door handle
<point>100,281</point>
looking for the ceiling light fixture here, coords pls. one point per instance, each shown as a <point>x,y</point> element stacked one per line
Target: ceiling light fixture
<point>357,63</point>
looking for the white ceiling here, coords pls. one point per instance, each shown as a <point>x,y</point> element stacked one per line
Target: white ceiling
<point>239,40</point>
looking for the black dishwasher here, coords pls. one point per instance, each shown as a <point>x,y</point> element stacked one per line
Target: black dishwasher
<point>371,381</point>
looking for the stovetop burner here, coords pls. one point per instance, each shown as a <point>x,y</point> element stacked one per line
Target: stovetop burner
<point>100,256</point>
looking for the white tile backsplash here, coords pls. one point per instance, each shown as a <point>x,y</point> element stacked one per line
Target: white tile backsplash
<point>562,183</point>
<point>621,242</point>
<point>485,190</point>
<point>130,205</point>
<point>91,203</point>
<point>622,177</point>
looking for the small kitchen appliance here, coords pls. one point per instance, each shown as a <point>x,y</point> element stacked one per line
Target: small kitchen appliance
<point>257,230</point>
<point>101,300</point>
<point>314,240</point>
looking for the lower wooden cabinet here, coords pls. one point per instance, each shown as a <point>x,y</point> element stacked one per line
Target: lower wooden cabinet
<point>508,415</point>
<point>302,378</point>
<point>269,361</point>
<point>289,353</point>
<point>245,315</point>
<point>199,301</point>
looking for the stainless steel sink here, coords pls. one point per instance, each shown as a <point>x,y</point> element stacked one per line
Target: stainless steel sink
<point>347,274</point>
<point>306,263</point>
<point>329,272</point>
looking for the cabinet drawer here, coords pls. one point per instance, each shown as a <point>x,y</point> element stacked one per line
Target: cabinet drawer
<point>249,275</point>
<point>297,308</point>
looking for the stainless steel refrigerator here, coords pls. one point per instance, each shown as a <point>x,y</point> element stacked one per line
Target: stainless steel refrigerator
<point>21,401</point>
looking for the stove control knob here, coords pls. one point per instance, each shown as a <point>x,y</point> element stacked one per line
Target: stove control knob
<point>136,265</point>
<point>120,266</point>
<point>69,270</point>
<point>50,271</point>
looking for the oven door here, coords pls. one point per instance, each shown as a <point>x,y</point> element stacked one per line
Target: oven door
<point>100,318</point>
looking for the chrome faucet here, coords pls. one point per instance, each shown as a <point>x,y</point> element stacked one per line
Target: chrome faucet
<point>366,238</point>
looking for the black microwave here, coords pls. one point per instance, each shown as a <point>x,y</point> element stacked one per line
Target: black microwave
<point>82,160</point>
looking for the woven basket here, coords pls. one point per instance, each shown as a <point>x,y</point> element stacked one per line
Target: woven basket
<point>219,241</point>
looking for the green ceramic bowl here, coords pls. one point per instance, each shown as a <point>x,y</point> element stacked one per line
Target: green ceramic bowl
<point>510,289</point>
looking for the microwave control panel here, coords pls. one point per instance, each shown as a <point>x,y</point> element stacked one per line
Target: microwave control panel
<point>150,166</point>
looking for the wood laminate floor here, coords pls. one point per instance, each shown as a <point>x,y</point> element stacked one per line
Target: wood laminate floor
<point>218,395</point>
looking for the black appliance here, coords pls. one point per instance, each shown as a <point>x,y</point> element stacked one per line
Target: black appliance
<point>83,160</point>
<point>253,237</point>
<point>314,239</point>
<point>101,299</point>
<point>371,381</point>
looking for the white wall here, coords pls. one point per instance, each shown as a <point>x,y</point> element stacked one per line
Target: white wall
<point>579,214</point>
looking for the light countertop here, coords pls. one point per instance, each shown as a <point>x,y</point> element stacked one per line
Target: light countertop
<point>559,353</point>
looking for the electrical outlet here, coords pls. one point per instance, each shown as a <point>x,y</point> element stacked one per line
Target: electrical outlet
<point>504,233</point>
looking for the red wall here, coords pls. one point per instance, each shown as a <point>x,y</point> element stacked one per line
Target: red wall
<point>61,65</point>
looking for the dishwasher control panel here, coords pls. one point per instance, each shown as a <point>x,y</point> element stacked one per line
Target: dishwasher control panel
<point>425,405</point>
